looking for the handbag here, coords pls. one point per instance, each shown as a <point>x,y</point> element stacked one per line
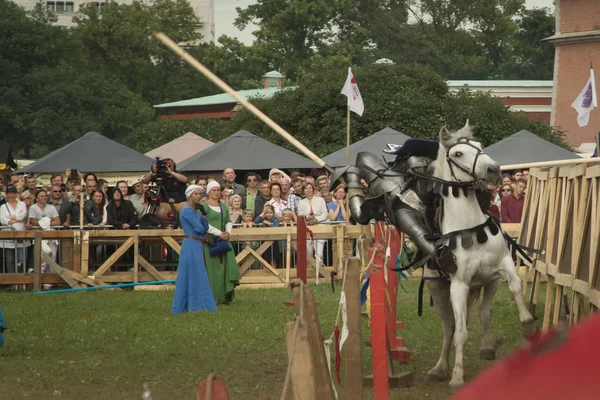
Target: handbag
<point>216,245</point>
<point>219,248</point>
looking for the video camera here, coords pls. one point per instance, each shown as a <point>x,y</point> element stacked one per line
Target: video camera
<point>74,175</point>
<point>162,170</point>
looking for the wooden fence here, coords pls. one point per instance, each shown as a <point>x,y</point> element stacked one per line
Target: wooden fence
<point>562,216</point>
<point>128,260</point>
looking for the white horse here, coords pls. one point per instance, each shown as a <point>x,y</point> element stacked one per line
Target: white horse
<point>480,264</point>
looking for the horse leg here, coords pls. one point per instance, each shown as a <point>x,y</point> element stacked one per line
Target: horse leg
<point>528,324</point>
<point>459,293</point>
<point>488,342</point>
<point>440,291</point>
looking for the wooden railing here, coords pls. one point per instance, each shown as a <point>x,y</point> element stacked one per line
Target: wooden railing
<point>562,217</point>
<point>78,265</point>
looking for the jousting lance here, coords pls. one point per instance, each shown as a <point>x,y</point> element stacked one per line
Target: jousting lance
<point>175,48</point>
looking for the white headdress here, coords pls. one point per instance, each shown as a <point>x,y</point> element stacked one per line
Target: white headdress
<point>190,189</point>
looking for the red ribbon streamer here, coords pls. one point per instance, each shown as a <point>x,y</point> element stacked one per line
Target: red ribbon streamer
<point>310,233</point>
<point>338,355</point>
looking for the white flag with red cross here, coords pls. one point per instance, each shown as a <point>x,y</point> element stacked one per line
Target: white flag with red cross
<point>350,90</point>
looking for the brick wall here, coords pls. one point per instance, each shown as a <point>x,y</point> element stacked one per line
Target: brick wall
<point>572,68</point>
<point>579,15</point>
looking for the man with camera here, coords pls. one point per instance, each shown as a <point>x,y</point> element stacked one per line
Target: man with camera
<point>69,210</point>
<point>164,174</point>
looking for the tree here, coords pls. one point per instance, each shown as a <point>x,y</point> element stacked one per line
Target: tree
<point>62,105</point>
<point>26,43</point>
<point>412,100</point>
<point>118,39</point>
<point>492,119</point>
<point>532,58</point>
<point>290,31</point>
<point>239,65</point>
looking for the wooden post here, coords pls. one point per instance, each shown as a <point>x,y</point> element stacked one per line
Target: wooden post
<point>383,376</point>
<point>301,249</point>
<point>378,331</point>
<point>67,252</point>
<point>82,202</point>
<point>136,253</point>
<point>340,231</point>
<point>306,311</point>
<point>77,251</point>
<point>37,261</point>
<point>288,255</point>
<point>303,382</point>
<point>550,289</point>
<point>353,385</point>
<point>85,253</point>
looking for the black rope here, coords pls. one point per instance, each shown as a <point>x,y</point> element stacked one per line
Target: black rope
<point>420,300</point>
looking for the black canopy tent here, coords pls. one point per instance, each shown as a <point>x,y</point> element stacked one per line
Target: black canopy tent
<point>6,158</point>
<point>525,147</point>
<point>374,143</point>
<point>246,152</point>
<point>91,153</point>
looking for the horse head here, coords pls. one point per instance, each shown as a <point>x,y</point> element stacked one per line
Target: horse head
<point>461,158</point>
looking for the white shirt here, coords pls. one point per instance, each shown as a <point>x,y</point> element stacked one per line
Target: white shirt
<point>279,207</point>
<point>49,211</point>
<point>6,211</point>
<point>319,208</point>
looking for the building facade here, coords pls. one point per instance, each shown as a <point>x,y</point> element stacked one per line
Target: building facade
<point>531,97</point>
<point>577,43</point>
<point>221,106</point>
<point>65,10</point>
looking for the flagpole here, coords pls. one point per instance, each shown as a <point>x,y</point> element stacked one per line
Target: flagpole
<point>596,117</point>
<point>348,116</point>
<point>597,132</point>
<point>348,132</point>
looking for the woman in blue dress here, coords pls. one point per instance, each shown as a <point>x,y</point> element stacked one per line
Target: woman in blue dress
<point>192,290</point>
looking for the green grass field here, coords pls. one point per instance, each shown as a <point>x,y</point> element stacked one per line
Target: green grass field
<point>106,345</point>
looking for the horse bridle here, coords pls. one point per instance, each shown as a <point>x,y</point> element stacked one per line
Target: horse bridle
<point>451,161</point>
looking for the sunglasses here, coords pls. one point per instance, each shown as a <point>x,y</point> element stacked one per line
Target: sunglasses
<point>57,191</point>
<point>251,180</point>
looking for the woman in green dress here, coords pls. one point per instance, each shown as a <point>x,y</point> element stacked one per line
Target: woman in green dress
<point>223,271</point>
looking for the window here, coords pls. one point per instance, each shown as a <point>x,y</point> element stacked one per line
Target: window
<point>60,6</point>
<point>98,4</point>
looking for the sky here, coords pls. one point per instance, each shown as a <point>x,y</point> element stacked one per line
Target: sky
<point>225,14</point>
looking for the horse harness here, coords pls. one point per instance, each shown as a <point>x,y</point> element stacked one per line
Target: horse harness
<point>451,161</point>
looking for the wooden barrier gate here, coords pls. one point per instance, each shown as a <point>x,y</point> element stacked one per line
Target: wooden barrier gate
<point>79,265</point>
<point>562,216</point>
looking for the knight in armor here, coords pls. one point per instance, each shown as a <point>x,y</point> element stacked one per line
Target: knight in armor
<point>396,191</point>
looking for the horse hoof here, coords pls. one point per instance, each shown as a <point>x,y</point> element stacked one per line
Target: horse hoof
<point>529,327</point>
<point>455,387</point>
<point>487,354</point>
<point>435,376</point>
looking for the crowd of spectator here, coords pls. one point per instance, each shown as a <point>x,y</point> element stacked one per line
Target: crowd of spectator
<point>276,201</point>
<point>508,198</point>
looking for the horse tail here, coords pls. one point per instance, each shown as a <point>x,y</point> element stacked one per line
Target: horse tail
<point>472,299</point>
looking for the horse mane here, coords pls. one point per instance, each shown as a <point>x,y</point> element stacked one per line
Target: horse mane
<point>448,137</point>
